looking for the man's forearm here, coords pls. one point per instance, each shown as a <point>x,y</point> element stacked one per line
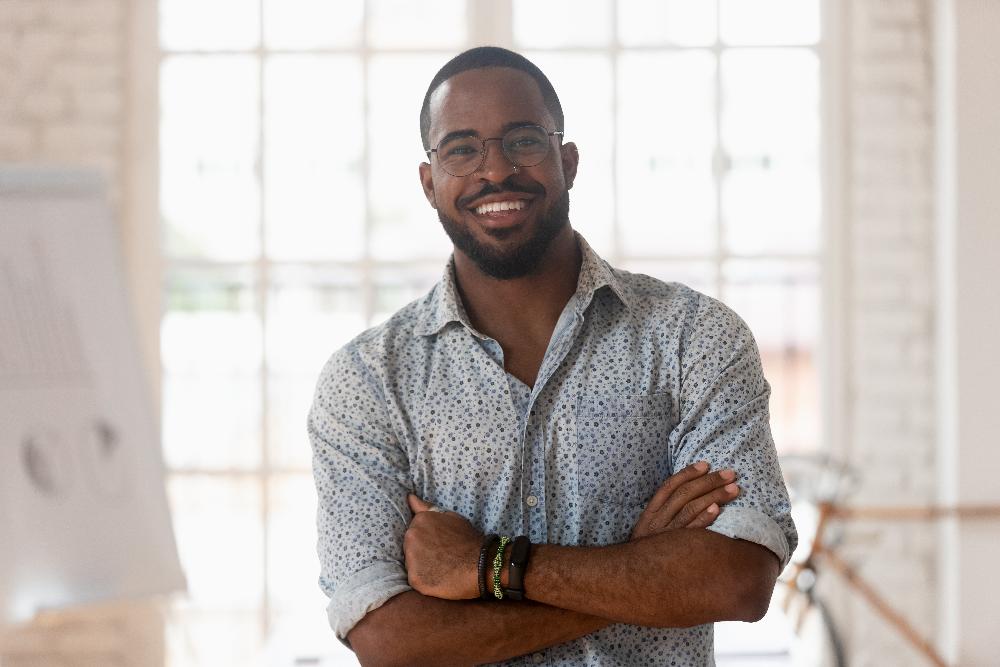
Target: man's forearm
<point>414,629</point>
<point>677,578</point>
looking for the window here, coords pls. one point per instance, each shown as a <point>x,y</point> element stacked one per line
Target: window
<point>292,219</point>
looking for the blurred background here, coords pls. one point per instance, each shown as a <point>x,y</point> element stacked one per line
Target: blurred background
<point>812,163</point>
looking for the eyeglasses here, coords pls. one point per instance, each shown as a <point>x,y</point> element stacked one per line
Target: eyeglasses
<point>524,146</point>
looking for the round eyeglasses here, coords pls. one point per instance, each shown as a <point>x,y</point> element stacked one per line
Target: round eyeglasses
<point>524,146</point>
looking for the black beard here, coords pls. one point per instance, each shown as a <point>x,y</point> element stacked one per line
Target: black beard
<point>517,262</point>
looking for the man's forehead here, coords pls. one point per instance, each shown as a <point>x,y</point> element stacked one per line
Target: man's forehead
<point>484,95</point>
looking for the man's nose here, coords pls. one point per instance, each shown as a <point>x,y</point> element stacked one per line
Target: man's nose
<point>496,166</point>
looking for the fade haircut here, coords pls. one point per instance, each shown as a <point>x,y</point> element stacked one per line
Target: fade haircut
<point>489,56</point>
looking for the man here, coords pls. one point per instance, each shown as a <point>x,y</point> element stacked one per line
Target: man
<point>537,392</point>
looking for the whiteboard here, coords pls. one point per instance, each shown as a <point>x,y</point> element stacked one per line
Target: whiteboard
<point>83,509</point>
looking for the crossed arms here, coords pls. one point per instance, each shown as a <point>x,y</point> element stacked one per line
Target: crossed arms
<point>670,573</point>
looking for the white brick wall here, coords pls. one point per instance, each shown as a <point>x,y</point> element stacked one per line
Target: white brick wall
<point>63,84</point>
<point>889,94</point>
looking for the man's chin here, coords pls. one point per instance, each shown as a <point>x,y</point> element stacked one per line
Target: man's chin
<point>499,254</point>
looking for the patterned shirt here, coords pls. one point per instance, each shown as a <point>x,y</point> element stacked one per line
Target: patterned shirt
<point>640,379</point>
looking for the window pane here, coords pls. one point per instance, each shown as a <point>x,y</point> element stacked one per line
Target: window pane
<point>769,21</point>
<point>397,24</point>
<point>312,313</point>
<point>770,130</point>
<point>303,637</point>
<point>210,325</point>
<point>211,422</point>
<point>396,287</point>
<point>217,521</point>
<point>211,349</point>
<point>559,23</point>
<point>780,303</point>
<point>588,101</point>
<point>208,151</point>
<point>314,152</point>
<point>307,24</point>
<point>289,399</point>
<point>196,638</point>
<point>666,138</point>
<point>209,24</point>
<point>404,226</point>
<point>654,22</point>
<point>293,568</point>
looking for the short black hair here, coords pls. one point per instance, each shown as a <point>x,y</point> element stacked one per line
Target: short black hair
<point>489,56</point>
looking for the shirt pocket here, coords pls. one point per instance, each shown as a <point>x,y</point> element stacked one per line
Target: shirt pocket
<point>622,441</point>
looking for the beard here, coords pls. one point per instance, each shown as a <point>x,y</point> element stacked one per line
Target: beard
<point>515,262</point>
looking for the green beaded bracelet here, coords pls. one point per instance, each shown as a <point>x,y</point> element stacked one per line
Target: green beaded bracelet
<point>498,566</point>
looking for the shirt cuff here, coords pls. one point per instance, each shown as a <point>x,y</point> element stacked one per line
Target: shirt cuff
<point>745,523</point>
<point>363,592</point>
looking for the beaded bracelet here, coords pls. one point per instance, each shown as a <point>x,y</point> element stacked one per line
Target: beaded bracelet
<point>489,542</point>
<point>498,567</point>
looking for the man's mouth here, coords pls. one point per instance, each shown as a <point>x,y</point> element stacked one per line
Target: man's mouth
<point>501,206</point>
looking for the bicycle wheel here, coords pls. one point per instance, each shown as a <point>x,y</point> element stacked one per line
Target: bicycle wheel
<point>815,640</point>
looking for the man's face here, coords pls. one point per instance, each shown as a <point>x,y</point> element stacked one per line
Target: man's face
<point>505,243</point>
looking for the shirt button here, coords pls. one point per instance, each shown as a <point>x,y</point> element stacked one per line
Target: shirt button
<point>532,501</point>
<point>537,658</point>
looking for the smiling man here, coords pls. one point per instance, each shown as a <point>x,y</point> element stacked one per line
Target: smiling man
<point>538,461</point>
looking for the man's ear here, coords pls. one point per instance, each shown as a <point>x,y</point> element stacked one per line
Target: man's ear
<point>427,183</point>
<point>570,160</point>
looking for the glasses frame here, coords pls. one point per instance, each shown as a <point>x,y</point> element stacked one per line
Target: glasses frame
<point>483,150</point>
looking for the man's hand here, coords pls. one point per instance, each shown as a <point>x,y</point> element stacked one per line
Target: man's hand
<point>688,499</point>
<point>441,552</point>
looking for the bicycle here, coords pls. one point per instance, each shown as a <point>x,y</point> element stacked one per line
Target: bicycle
<point>818,486</point>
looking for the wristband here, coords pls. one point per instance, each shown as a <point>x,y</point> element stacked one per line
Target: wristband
<point>498,568</point>
<point>488,544</point>
<point>518,564</point>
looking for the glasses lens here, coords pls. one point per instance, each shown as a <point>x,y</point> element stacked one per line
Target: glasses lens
<point>460,156</point>
<point>526,146</point>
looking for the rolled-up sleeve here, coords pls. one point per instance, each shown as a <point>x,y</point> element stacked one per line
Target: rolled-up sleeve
<point>724,419</point>
<point>362,479</point>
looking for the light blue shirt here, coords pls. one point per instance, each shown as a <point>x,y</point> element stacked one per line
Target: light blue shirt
<point>640,379</point>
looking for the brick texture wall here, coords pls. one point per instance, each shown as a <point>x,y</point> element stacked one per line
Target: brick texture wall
<point>63,100</point>
<point>889,178</point>
<point>63,84</point>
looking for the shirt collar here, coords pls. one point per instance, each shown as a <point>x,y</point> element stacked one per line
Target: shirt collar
<point>444,305</point>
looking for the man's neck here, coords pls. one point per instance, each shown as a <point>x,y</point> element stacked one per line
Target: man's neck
<point>526,309</point>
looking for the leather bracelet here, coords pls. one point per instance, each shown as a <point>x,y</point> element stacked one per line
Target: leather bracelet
<point>489,544</point>
<point>519,554</point>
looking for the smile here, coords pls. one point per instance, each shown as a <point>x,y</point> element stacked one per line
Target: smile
<point>499,206</point>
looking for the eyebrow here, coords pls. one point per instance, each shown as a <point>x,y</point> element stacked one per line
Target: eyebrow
<point>461,134</point>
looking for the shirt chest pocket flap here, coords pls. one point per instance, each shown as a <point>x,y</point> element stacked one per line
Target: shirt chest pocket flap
<point>622,454</point>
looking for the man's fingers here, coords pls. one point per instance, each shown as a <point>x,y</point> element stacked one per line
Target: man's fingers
<point>694,509</point>
<point>417,504</point>
<point>706,518</point>
<point>696,488</point>
<point>693,471</point>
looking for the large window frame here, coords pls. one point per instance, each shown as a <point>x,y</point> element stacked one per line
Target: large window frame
<point>492,23</point>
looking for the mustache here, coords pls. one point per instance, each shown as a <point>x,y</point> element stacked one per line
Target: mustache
<point>508,186</point>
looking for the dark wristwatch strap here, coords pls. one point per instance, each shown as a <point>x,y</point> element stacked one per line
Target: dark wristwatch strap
<point>489,545</point>
<point>519,554</point>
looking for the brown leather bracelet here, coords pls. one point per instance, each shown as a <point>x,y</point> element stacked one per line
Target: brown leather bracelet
<point>519,554</point>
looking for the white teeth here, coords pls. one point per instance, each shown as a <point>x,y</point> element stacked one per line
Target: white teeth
<point>497,206</point>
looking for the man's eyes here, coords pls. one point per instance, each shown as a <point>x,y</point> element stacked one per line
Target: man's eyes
<point>524,142</point>
<point>461,150</point>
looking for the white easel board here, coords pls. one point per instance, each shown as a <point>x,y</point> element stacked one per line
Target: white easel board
<point>83,509</point>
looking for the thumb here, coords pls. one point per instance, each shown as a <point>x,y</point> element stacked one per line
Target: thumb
<point>417,504</point>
